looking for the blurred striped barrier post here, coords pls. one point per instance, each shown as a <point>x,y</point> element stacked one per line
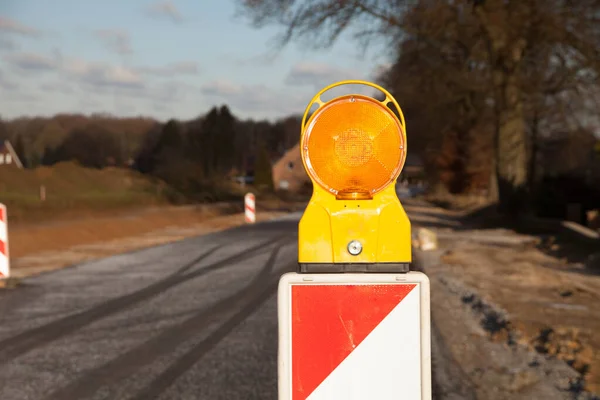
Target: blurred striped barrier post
<point>4,258</point>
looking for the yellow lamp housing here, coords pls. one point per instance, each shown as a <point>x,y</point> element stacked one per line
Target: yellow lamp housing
<point>353,149</point>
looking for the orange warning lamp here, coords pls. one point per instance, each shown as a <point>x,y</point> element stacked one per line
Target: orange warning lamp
<point>353,148</point>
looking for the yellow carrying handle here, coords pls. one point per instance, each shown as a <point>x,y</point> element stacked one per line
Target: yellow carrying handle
<point>388,98</point>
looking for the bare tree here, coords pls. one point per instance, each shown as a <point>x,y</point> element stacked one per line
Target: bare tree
<point>504,30</point>
<point>440,74</point>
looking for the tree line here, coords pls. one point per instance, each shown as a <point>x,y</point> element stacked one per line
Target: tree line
<point>193,156</point>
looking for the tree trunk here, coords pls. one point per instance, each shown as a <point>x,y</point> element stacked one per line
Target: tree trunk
<point>535,127</point>
<point>511,150</point>
<point>506,54</point>
<point>493,185</point>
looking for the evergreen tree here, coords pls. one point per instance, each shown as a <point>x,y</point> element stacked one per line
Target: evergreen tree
<point>263,174</point>
<point>224,143</point>
<point>169,158</point>
<point>170,137</point>
<point>20,150</point>
<point>205,142</point>
<point>3,132</point>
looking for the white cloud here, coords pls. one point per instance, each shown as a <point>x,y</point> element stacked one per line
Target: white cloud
<point>161,107</point>
<point>318,75</point>
<point>221,88</point>
<point>72,84</point>
<point>256,100</point>
<point>157,97</point>
<point>7,44</point>
<point>165,9</point>
<point>6,83</point>
<point>90,103</point>
<point>31,62</point>
<point>106,79</point>
<point>171,91</point>
<point>100,74</point>
<point>258,60</point>
<point>57,87</point>
<point>116,40</point>
<point>179,68</point>
<point>97,75</point>
<point>8,25</point>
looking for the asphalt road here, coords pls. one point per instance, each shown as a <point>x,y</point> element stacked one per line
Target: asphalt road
<point>196,319</point>
<point>191,320</point>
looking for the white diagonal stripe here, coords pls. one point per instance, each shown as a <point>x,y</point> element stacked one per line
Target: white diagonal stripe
<point>3,232</point>
<point>386,365</point>
<point>4,267</point>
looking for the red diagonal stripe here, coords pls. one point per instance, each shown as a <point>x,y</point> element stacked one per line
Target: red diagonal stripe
<point>2,214</point>
<point>329,322</point>
<point>2,247</point>
<point>250,208</point>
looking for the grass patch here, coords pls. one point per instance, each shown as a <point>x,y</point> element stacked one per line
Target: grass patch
<point>74,190</point>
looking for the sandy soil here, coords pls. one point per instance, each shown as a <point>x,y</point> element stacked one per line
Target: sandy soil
<point>538,308</point>
<point>44,247</point>
<point>550,306</point>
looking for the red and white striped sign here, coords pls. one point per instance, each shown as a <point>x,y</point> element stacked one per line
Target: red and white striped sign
<point>249,202</point>
<point>4,258</point>
<point>354,336</point>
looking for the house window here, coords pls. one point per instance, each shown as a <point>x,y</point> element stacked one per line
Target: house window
<point>8,159</point>
<point>291,165</point>
<point>1,158</point>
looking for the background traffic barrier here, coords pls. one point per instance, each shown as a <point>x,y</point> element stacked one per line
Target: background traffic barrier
<point>250,208</point>
<point>4,258</point>
<point>569,228</point>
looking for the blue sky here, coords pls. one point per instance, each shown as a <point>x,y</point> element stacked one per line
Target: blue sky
<point>172,58</point>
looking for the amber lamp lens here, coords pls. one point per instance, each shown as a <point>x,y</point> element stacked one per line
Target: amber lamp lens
<point>353,146</point>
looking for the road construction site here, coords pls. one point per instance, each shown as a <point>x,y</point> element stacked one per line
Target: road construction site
<point>195,316</point>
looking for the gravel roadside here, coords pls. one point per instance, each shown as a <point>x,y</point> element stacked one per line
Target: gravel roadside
<point>488,331</point>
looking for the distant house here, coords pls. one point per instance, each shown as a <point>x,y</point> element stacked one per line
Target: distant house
<point>8,156</point>
<point>289,173</point>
